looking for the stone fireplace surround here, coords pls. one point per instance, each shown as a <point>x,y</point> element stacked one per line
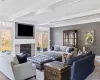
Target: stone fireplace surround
<point>25,48</point>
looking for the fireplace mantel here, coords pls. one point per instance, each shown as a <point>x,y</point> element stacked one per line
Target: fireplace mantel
<point>24,41</point>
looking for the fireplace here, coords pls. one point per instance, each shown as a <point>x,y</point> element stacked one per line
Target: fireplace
<point>25,48</point>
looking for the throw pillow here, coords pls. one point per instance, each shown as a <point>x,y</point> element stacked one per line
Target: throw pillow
<point>88,54</point>
<point>80,53</point>
<point>74,58</point>
<point>52,48</point>
<point>69,49</point>
<point>22,58</point>
<point>56,48</point>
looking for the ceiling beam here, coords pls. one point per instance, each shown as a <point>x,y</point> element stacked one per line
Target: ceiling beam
<point>41,4</point>
<point>81,18</point>
<point>92,12</point>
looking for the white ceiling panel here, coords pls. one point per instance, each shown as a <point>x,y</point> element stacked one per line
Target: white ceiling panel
<point>10,7</point>
<point>45,11</point>
<point>42,4</point>
<point>65,10</point>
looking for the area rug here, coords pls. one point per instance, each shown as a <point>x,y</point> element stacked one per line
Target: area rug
<point>96,74</point>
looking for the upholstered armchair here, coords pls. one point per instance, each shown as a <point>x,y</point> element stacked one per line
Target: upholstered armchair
<point>15,71</point>
<point>24,71</point>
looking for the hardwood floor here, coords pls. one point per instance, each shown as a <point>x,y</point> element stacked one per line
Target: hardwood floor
<point>3,77</point>
<point>40,75</point>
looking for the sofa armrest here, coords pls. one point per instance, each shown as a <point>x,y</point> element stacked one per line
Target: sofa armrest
<point>24,71</point>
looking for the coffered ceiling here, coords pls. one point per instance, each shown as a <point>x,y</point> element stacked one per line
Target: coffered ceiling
<point>53,13</point>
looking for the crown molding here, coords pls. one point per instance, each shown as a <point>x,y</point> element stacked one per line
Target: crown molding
<point>77,22</point>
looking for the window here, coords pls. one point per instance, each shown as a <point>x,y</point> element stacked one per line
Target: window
<point>42,37</point>
<point>5,36</point>
<point>5,40</point>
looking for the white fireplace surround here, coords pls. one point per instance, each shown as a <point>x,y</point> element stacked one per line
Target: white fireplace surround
<point>17,49</point>
<point>17,42</point>
<point>24,41</point>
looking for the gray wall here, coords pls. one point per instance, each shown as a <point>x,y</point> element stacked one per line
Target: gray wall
<point>57,35</point>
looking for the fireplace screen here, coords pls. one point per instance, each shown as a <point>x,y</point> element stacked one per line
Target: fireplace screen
<point>26,49</point>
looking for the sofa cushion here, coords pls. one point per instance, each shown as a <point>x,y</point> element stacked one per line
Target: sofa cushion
<point>22,58</point>
<point>74,58</point>
<point>63,48</point>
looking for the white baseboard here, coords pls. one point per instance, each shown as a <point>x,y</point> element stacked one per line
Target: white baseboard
<point>97,58</point>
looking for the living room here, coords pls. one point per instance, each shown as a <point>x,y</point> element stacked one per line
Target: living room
<point>49,40</point>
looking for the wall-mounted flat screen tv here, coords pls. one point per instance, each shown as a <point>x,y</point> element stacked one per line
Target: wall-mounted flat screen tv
<point>25,30</point>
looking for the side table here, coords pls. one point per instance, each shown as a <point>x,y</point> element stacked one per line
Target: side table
<point>64,57</point>
<point>56,71</point>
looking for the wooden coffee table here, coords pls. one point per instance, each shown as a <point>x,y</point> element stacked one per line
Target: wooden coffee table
<point>56,71</point>
<point>3,77</point>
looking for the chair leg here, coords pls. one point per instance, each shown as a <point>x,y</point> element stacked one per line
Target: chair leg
<point>31,77</point>
<point>35,76</point>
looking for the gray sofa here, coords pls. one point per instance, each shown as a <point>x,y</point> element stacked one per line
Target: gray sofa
<point>62,50</point>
